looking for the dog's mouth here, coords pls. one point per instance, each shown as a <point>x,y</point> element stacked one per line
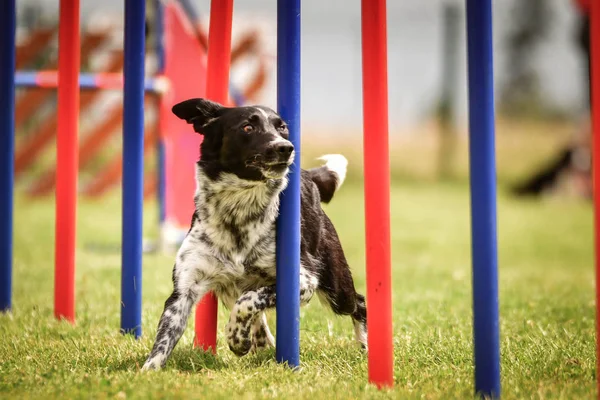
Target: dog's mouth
<point>271,169</point>
<point>277,165</point>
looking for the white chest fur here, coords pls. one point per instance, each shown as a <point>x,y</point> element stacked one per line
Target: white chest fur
<point>232,239</point>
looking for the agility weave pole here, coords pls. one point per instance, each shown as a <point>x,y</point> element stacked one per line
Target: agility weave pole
<point>217,88</point>
<point>595,114</point>
<point>159,48</point>
<point>133,167</point>
<point>483,198</point>
<point>288,224</point>
<point>8,14</point>
<point>377,192</point>
<point>67,151</point>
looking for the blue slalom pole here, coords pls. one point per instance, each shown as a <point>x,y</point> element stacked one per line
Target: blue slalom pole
<point>288,223</point>
<point>7,146</point>
<point>483,198</point>
<point>159,22</point>
<point>133,167</point>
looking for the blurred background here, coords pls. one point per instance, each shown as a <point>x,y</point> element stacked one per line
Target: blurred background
<point>540,76</point>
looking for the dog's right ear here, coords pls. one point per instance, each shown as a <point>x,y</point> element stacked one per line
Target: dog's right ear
<point>199,112</point>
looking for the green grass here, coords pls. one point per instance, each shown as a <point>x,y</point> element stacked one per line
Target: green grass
<point>547,310</point>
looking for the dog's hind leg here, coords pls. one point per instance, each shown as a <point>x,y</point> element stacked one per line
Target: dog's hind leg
<point>359,319</point>
<point>352,304</point>
<point>336,289</point>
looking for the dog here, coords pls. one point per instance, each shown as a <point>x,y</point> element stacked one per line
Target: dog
<point>230,247</point>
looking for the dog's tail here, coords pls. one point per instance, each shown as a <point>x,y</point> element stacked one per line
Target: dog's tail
<point>330,176</point>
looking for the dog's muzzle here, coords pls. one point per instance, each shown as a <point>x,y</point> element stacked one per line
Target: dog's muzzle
<point>280,152</point>
<point>277,158</point>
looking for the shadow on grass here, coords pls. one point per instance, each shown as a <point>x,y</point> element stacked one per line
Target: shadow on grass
<point>259,359</point>
<point>194,360</point>
<point>184,361</point>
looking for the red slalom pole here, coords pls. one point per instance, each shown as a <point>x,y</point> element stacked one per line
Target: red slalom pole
<point>217,88</point>
<point>377,192</point>
<point>595,88</point>
<point>66,160</point>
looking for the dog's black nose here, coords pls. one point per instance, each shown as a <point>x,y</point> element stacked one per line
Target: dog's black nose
<point>282,150</point>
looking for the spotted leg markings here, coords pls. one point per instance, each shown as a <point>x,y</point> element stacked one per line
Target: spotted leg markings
<point>261,335</point>
<point>247,308</point>
<point>170,328</point>
<point>189,284</point>
<point>243,314</point>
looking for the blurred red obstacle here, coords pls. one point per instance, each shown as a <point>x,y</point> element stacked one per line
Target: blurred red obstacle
<point>181,148</point>
<point>34,98</point>
<point>35,42</point>
<point>26,54</point>
<point>31,101</point>
<point>36,127</point>
<point>112,171</point>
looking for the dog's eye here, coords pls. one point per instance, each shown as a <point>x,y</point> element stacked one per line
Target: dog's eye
<point>248,128</point>
<point>282,127</point>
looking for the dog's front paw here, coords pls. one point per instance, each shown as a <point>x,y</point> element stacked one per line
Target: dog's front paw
<point>258,345</point>
<point>261,339</point>
<point>151,365</point>
<point>238,338</point>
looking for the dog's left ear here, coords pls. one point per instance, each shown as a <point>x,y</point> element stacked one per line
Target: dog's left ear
<point>199,112</point>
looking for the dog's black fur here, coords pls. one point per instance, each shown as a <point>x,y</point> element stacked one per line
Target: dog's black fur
<point>230,247</point>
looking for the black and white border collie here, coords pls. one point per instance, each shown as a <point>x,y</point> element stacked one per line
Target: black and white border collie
<point>230,247</point>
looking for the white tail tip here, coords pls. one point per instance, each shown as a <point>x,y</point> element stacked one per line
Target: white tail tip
<point>336,163</point>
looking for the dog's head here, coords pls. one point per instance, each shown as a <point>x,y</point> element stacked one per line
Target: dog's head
<point>251,142</point>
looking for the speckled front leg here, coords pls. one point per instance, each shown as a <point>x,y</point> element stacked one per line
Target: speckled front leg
<point>243,316</point>
<point>261,335</point>
<point>170,328</point>
<point>247,311</point>
<point>189,285</point>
